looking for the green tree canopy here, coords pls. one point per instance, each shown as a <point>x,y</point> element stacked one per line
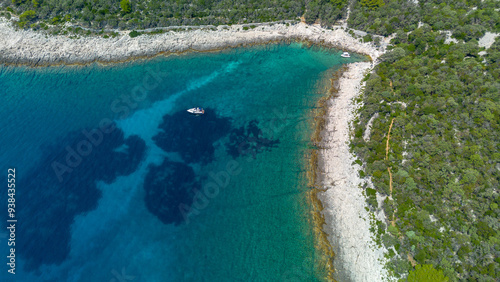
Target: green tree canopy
<point>338,3</point>
<point>372,4</point>
<point>125,5</point>
<point>27,16</point>
<point>426,273</point>
<point>394,55</point>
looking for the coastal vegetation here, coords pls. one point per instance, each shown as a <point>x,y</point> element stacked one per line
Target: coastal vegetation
<point>438,174</point>
<point>426,272</point>
<point>126,14</point>
<point>465,19</point>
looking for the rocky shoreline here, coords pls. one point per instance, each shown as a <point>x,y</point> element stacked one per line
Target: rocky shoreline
<point>26,47</point>
<point>357,257</point>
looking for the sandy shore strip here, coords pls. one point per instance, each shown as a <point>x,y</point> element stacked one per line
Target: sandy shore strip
<point>357,258</point>
<point>26,47</point>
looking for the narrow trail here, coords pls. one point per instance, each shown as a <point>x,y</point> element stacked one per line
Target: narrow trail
<point>387,147</point>
<point>411,260</point>
<point>388,138</point>
<point>393,221</point>
<point>390,180</point>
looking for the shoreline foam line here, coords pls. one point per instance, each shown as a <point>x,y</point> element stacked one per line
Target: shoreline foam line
<point>27,47</point>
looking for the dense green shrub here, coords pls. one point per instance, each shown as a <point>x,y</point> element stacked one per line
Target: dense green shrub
<point>456,16</point>
<point>426,273</point>
<point>27,16</point>
<point>444,145</point>
<point>372,4</point>
<point>125,6</point>
<point>126,14</point>
<point>134,33</point>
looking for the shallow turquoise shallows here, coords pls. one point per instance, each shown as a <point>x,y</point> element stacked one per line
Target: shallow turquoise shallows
<point>115,181</point>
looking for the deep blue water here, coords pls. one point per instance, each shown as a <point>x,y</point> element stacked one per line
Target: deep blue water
<point>117,182</point>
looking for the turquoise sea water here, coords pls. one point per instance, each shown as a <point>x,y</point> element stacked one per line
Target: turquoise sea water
<point>116,182</point>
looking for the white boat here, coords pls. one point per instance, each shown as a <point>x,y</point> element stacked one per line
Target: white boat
<point>196,111</point>
<point>345,55</point>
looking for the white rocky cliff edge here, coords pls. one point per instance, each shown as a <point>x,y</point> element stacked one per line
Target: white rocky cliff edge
<point>34,48</point>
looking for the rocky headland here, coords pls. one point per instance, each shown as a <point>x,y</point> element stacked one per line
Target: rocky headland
<point>27,47</point>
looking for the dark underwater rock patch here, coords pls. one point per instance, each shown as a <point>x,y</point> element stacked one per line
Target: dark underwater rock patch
<point>249,140</point>
<point>60,187</point>
<point>192,136</point>
<point>167,187</point>
<point>171,187</point>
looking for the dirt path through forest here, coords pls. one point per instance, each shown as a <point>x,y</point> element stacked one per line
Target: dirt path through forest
<point>393,222</point>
